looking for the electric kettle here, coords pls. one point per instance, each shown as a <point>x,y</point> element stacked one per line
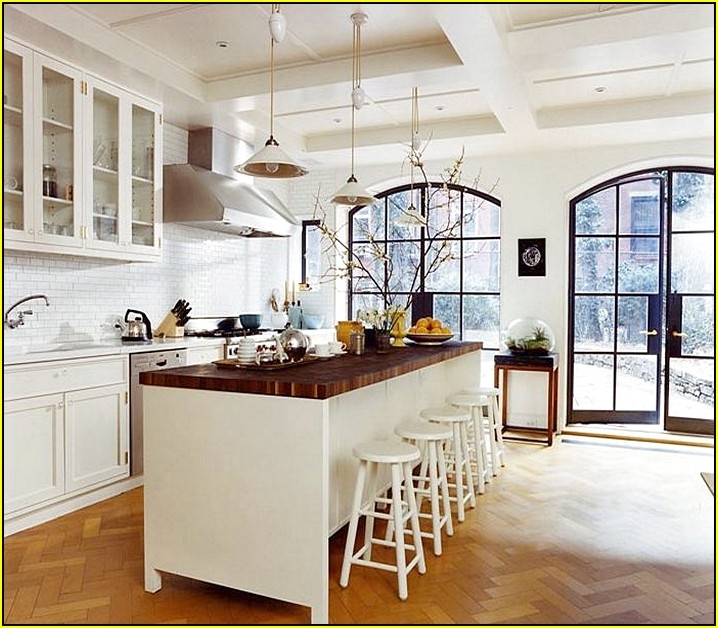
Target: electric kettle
<point>138,328</point>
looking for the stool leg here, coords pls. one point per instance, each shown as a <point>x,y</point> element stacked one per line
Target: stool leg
<point>399,529</point>
<point>434,493</point>
<point>414,518</point>
<point>444,484</point>
<point>371,482</point>
<point>497,429</point>
<point>353,524</point>
<point>492,437</point>
<point>458,471</point>
<point>480,446</point>
<point>467,465</point>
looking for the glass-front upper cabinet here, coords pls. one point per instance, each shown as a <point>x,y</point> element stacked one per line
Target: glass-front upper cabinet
<point>57,163</point>
<point>104,145</point>
<point>146,172</point>
<point>124,177</point>
<point>17,133</point>
<point>81,161</point>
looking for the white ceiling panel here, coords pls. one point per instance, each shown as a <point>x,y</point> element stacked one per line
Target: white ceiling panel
<point>492,77</point>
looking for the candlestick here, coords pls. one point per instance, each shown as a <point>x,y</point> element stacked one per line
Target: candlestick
<point>286,291</point>
<point>294,291</point>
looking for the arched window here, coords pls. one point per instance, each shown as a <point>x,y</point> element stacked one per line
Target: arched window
<point>435,246</point>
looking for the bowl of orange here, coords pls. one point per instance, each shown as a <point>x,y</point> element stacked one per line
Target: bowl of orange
<point>429,331</point>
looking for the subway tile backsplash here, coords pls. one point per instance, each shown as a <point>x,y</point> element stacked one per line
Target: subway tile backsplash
<point>216,273</point>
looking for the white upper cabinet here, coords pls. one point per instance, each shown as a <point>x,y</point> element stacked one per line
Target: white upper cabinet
<point>87,157</point>
<point>17,141</point>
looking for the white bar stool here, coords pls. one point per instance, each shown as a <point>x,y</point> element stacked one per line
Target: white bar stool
<point>400,456</point>
<point>477,439</point>
<point>463,483</point>
<point>429,437</point>
<point>493,419</point>
<point>491,397</point>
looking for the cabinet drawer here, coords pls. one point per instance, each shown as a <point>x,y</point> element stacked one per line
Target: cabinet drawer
<point>45,378</point>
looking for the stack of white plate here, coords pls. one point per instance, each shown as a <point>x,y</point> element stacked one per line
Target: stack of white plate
<point>247,351</point>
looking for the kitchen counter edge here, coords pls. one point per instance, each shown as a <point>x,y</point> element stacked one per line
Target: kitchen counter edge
<point>311,381</point>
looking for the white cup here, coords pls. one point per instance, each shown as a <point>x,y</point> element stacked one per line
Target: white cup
<point>337,347</point>
<point>322,350</point>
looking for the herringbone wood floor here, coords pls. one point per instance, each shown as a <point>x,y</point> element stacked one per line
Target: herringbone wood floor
<point>579,533</point>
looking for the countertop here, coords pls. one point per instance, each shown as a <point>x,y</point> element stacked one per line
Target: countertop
<point>319,379</point>
<point>68,351</point>
<point>73,350</point>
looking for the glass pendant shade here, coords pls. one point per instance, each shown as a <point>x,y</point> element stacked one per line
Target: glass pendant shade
<point>271,162</point>
<point>351,193</point>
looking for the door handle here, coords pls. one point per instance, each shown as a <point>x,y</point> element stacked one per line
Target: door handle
<point>678,334</point>
<point>647,332</point>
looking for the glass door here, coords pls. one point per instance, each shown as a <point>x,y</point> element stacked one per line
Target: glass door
<point>617,269</point>
<point>642,301</point>
<point>690,324</point>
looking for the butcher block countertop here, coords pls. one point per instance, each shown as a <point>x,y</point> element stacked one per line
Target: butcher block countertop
<point>320,379</point>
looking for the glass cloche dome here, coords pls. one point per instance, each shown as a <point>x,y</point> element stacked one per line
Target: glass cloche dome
<point>528,336</point>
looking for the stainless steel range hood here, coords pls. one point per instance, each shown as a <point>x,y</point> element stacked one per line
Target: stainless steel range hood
<point>204,194</point>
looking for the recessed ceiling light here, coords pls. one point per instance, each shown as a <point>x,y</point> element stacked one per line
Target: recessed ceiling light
<point>600,89</point>
<point>439,107</point>
<point>222,44</point>
<point>336,120</point>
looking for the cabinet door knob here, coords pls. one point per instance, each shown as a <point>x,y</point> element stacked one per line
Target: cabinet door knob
<point>649,332</point>
<point>678,334</point>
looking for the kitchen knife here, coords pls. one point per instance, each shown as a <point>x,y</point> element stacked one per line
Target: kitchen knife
<point>175,310</point>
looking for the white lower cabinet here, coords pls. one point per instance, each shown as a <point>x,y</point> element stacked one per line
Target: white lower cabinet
<point>33,459</point>
<point>96,436</point>
<point>67,434</point>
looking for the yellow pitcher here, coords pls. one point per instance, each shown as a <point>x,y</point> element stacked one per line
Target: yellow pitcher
<point>345,329</point>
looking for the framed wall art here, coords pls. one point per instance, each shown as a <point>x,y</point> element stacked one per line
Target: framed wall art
<point>532,257</point>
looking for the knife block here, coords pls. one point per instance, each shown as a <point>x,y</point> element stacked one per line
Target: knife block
<point>168,328</point>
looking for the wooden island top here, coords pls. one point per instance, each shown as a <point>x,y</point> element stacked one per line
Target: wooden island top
<point>320,379</point>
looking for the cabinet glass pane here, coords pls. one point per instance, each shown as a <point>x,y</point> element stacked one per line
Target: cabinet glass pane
<point>13,216</point>
<point>143,188</point>
<point>57,175</point>
<point>105,166</point>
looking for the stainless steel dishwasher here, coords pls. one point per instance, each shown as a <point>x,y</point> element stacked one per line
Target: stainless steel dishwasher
<point>139,363</point>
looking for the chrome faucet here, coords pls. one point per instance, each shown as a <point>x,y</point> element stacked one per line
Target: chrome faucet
<point>12,323</point>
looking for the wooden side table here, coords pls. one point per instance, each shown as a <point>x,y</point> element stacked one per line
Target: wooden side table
<point>507,361</point>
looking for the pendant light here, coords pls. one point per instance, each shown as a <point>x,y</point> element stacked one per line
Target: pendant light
<point>271,161</point>
<point>411,216</point>
<point>351,193</point>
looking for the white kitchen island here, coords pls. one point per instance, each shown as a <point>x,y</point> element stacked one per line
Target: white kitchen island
<point>244,489</point>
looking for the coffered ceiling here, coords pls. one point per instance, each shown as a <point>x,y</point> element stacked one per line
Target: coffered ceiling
<point>494,78</point>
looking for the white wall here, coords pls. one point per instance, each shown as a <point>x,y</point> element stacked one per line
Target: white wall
<point>535,190</point>
<point>222,275</point>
